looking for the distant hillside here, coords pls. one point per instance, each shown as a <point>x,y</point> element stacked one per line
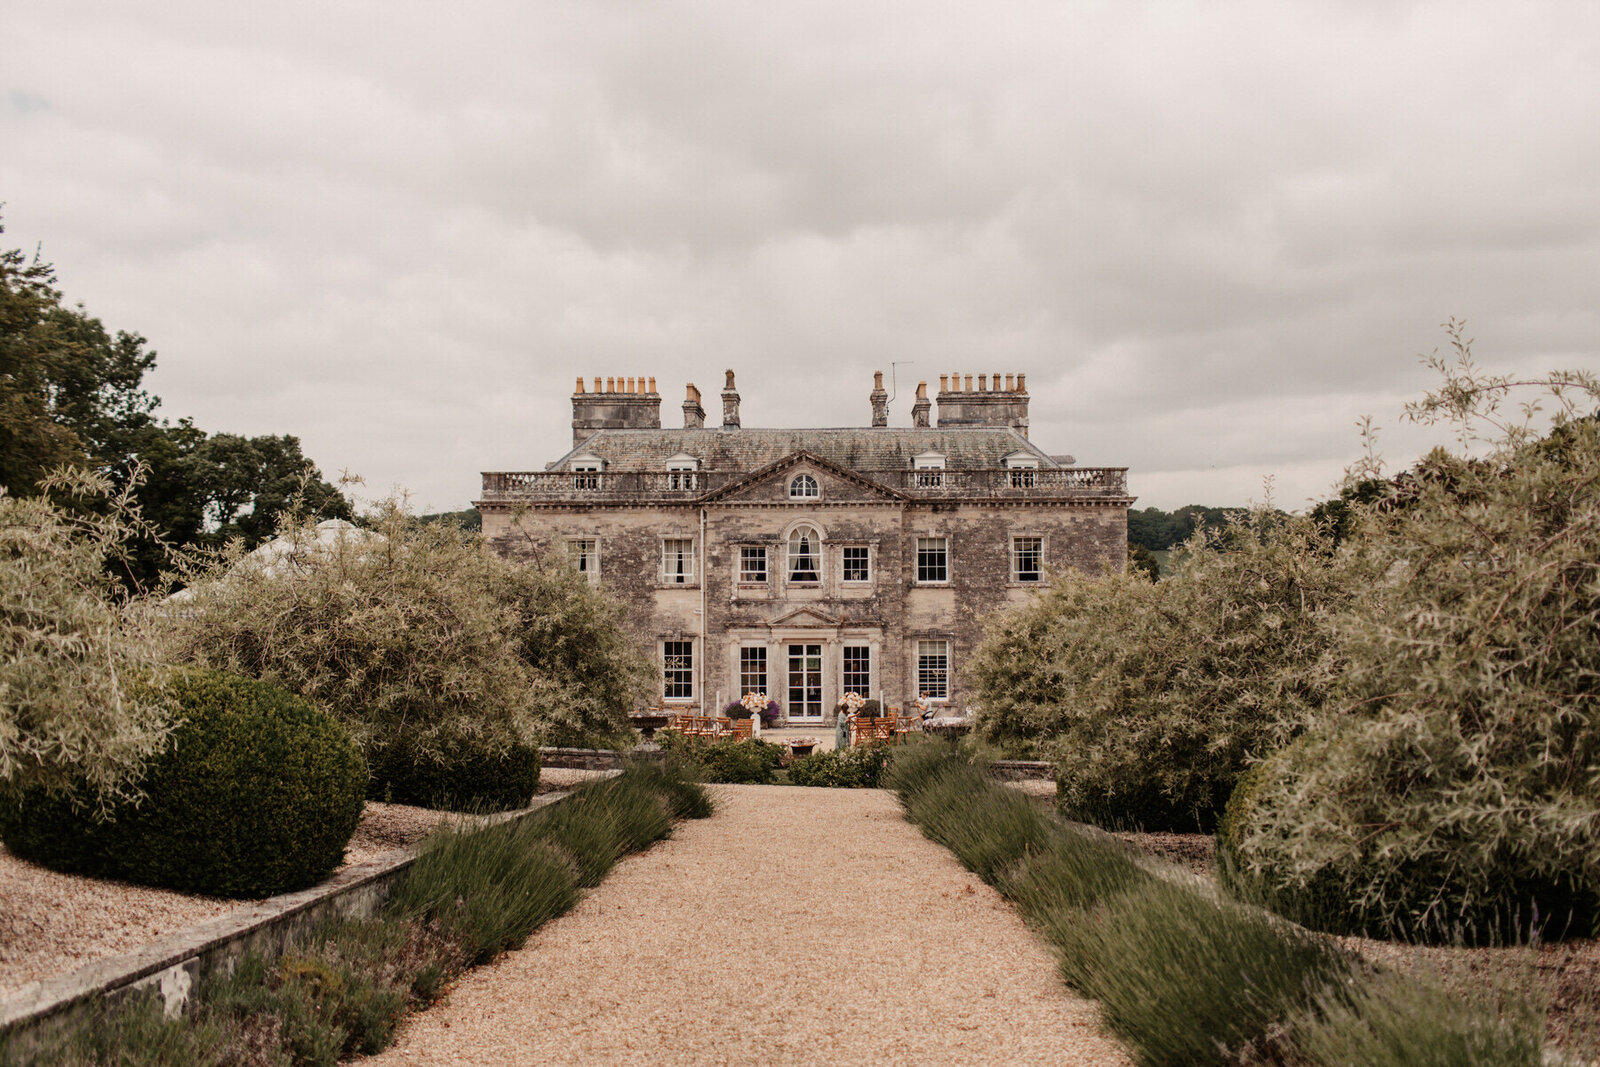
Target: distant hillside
<point>1159,530</point>
<point>467,520</point>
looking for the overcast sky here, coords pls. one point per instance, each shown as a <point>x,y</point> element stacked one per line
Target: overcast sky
<point>1213,235</point>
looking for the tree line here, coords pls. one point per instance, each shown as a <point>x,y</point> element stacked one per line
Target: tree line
<point>72,394</point>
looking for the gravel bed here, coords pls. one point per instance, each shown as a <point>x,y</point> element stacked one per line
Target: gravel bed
<point>53,923</point>
<point>795,926</point>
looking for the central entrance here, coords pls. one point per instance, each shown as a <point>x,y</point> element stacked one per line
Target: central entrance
<point>805,682</point>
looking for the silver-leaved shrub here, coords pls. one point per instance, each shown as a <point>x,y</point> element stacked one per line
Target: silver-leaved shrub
<point>70,723</point>
<point>1152,698</point>
<point>415,635</point>
<point>1455,789</point>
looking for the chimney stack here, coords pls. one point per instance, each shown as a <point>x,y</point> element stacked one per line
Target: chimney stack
<point>880,401</point>
<point>694,416</point>
<point>919,410</point>
<point>623,404</point>
<point>730,405</point>
<point>998,401</point>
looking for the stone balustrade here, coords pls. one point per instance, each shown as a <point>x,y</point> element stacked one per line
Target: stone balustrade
<point>625,486</point>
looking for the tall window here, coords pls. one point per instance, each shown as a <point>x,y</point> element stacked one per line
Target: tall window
<point>804,487</point>
<point>856,564</point>
<point>805,549</point>
<point>585,554</point>
<point>858,670</point>
<point>752,670</point>
<point>933,559</point>
<point>933,669</point>
<point>677,670</point>
<point>753,564</point>
<point>677,560</point>
<point>1027,559</point>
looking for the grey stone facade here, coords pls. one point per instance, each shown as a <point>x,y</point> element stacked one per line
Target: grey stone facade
<point>809,562</point>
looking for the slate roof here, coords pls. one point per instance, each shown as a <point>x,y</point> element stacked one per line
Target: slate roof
<point>858,449</point>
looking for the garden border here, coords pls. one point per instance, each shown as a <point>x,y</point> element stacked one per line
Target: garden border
<point>172,965</point>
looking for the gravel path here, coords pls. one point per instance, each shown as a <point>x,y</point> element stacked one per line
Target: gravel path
<point>795,926</point>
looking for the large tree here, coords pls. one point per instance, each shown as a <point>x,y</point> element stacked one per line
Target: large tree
<point>72,394</point>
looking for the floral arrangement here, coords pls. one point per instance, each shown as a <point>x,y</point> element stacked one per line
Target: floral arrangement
<point>852,703</point>
<point>755,704</point>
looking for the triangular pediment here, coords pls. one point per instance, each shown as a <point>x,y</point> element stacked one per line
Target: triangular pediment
<point>770,484</point>
<point>804,616</point>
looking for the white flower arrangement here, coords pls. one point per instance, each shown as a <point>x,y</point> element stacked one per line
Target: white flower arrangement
<point>755,702</point>
<point>853,703</point>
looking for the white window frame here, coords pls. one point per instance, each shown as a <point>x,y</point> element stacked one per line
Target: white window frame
<point>945,543</point>
<point>928,470</point>
<point>933,678</point>
<point>815,554</point>
<point>1016,559</point>
<point>585,560</point>
<point>677,671</point>
<point>677,566</point>
<point>745,674</point>
<point>682,473</point>
<point>804,486</point>
<point>844,566</point>
<point>845,686</point>
<point>744,576</point>
<point>1024,471</point>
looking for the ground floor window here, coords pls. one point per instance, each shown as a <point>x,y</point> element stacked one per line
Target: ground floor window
<point>752,670</point>
<point>933,669</point>
<point>858,671</point>
<point>677,661</point>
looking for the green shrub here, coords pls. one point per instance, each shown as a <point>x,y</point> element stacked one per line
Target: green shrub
<point>731,762</point>
<point>1070,873</point>
<point>490,887</point>
<point>1456,794</point>
<point>988,827</point>
<point>461,775</point>
<point>673,782</point>
<point>1187,980</point>
<point>1151,698</point>
<point>258,795</point>
<point>859,767</point>
<point>1392,1020</point>
<point>68,720</point>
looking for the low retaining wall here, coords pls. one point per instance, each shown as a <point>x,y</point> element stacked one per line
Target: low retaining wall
<point>1017,769</point>
<point>43,1012</point>
<point>581,759</point>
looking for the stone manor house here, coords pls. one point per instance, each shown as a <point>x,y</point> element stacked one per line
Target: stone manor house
<point>807,563</point>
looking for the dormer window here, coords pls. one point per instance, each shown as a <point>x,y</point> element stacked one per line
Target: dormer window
<point>804,487</point>
<point>681,472</point>
<point>586,471</point>
<point>805,555</point>
<point>929,468</point>
<point>1024,470</point>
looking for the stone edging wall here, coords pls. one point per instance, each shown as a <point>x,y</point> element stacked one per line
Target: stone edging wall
<point>1017,769</point>
<point>581,759</point>
<point>171,966</point>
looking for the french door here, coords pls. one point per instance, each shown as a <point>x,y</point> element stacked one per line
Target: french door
<point>805,682</point>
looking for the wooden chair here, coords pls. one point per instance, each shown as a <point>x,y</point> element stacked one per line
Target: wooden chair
<point>742,730</point>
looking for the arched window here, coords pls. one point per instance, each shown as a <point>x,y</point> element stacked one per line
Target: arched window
<point>805,555</point>
<point>804,487</point>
